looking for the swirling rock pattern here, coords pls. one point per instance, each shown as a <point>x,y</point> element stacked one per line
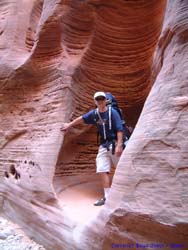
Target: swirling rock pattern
<point>54,55</point>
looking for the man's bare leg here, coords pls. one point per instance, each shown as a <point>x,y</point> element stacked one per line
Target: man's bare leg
<point>106,183</point>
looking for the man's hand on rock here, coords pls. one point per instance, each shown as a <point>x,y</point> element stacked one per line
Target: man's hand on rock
<point>65,127</point>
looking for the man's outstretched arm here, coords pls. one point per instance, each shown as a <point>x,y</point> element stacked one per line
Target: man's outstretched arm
<point>75,122</point>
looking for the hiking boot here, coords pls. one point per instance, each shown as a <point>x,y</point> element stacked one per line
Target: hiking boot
<point>100,202</point>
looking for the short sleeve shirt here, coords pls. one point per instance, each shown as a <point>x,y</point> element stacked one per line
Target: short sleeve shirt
<point>116,123</point>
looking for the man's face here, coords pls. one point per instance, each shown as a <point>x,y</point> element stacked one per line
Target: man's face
<point>100,101</point>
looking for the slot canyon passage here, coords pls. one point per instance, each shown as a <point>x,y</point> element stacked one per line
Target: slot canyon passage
<point>54,55</point>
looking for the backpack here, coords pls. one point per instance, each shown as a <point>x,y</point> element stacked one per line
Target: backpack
<point>112,103</point>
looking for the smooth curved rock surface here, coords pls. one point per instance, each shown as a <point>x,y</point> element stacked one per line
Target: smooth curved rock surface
<point>54,56</point>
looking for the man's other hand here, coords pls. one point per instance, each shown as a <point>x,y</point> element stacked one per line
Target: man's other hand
<point>118,150</point>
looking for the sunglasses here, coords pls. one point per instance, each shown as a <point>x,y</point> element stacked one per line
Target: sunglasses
<point>100,98</point>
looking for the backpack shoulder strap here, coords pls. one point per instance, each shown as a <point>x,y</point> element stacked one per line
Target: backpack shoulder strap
<point>99,116</point>
<point>95,114</point>
<point>102,122</point>
<point>96,118</point>
<point>110,116</point>
<point>111,109</point>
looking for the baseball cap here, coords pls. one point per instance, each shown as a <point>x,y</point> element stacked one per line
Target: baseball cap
<point>99,94</point>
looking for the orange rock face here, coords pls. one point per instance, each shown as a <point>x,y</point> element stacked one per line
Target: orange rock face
<point>54,56</point>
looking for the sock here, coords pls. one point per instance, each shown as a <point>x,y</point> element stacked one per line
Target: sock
<point>106,192</point>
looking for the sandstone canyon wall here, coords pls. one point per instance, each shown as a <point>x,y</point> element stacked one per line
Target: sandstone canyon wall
<point>54,55</point>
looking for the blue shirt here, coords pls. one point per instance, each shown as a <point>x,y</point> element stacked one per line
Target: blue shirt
<point>92,118</point>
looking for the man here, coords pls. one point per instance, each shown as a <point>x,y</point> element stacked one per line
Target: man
<point>111,138</point>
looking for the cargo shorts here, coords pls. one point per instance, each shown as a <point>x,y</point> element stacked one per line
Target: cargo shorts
<point>105,159</point>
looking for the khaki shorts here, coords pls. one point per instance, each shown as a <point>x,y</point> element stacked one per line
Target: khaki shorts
<point>104,160</point>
